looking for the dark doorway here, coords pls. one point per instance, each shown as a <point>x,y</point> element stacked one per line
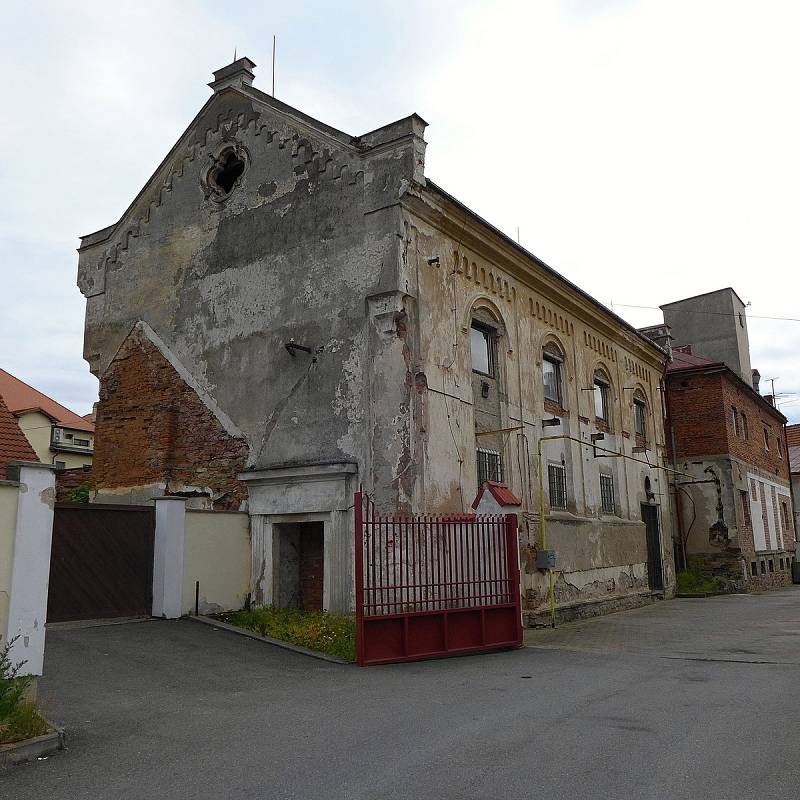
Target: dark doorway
<point>655,569</point>
<point>301,563</point>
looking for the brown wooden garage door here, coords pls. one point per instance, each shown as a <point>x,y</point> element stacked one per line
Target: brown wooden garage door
<point>101,563</point>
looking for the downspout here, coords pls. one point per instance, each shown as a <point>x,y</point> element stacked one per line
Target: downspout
<point>791,491</point>
<point>674,453</point>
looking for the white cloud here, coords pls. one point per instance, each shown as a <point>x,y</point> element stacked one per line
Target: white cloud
<point>646,149</point>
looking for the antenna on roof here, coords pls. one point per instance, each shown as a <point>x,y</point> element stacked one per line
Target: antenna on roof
<point>234,54</point>
<point>273,65</point>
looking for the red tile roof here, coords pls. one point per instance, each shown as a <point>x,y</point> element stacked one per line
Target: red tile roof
<point>20,397</point>
<point>500,492</point>
<point>793,435</point>
<point>685,360</point>
<point>13,443</point>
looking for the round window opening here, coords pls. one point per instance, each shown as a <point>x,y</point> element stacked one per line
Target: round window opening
<point>224,175</point>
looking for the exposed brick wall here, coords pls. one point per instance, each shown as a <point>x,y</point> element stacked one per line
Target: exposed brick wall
<point>69,479</point>
<point>697,415</point>
<point>702,421</point>
<point>312,559</point>
<point>152,427</point>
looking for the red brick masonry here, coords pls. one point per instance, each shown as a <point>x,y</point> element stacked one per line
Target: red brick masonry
<point>152,427</point>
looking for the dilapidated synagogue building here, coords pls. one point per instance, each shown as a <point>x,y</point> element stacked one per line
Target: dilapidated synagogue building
<point>286,312</point>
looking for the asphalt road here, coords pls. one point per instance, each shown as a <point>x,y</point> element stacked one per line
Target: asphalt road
<point>684,699</point>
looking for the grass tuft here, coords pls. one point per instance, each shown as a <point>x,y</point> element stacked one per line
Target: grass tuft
<point>690,582</point>
<point>332,634</point>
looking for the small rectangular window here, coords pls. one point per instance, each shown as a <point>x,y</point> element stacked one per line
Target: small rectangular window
<point>82,442</point>
<point>735,416</point>
<point>490,466</point>
<point>763,568</point>
<point>745,429</point>
<point>754,568</point>
<point>640,417</point>
<point>601,398</point>
<point>607,493</point>
<point>551,374</point>
<point>766,439</point>
<point>785,515</point>
<point>481,341</point>
<point>771,565</point>
<point>557,481</point>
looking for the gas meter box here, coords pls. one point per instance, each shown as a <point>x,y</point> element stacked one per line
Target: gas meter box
<point>545,559</point>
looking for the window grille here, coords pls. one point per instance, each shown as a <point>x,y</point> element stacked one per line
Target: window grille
<point>490,466</point>
<point>557,480</point>
<point>607,493</point>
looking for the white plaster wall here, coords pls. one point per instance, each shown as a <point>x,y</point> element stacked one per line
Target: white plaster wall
<point>30,566</point>
<point>168,557</point>
<point>216,552</point>
<point>8,521</point>
<point>775,526</point>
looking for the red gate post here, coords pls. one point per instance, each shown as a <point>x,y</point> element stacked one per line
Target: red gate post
<point>512,551</point>
<point>359,566</point>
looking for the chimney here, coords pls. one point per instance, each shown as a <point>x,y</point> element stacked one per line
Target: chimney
<point>238,74</point>
<point>661,335</point>
<point>756,380</point>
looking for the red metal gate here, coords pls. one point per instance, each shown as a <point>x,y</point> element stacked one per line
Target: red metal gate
<point>434,586</point>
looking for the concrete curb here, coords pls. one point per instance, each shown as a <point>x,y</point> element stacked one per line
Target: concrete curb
<point>695,595</point>
<point>304,651</point>
<point>31,749</point>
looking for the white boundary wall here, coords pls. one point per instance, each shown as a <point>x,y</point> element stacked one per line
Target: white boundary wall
<point>29,554</point>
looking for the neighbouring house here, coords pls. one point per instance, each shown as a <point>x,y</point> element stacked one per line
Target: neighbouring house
<point>286,312</point>
<point>734,515</point>
<point>793,445</point>
<point>58,436</point>
<point>14,445</point>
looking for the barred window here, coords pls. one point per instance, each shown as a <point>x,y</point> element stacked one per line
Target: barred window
<point>607,493</point>
<point>557,479</point>
<point>490,466</point>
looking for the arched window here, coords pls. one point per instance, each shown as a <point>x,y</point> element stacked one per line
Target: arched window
<point>602,385</point>
<point>640,415</point>
<point>552,359</point>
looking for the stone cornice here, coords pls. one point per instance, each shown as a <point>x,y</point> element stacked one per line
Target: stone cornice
<point>468,229</point>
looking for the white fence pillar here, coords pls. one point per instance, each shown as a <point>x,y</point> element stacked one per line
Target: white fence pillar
<point>30,566</point>
<point>168,556</point>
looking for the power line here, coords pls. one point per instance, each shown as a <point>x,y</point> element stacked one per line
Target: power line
<point>714,313</point>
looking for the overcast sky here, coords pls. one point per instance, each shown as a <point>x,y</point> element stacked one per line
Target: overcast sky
<point>646,149</point>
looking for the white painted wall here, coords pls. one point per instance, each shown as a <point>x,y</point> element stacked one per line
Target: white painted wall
<point>8,523</point>
<point>30,565</point>
<point>168,556</point>
<point>775,526</point>
<point>216,552</point>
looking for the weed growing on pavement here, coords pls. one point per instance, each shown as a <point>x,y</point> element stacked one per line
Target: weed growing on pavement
<point>333,634</point>
<point>19,719</point>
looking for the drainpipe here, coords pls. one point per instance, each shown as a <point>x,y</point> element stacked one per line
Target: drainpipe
<point>791,490</point>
